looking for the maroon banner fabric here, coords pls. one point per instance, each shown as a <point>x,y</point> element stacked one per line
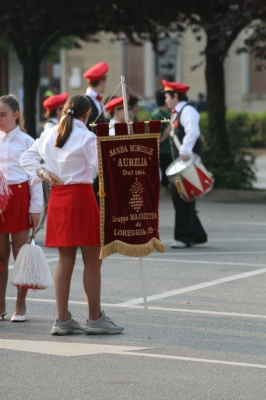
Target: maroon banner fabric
<point>129,188</point>
<point>102,129</point>
<point>154,126</point>
<point>139,127</point>
<point>121,129</point>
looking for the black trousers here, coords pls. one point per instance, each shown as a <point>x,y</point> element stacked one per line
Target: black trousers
<point>165,160</point>
<point>188,228</point>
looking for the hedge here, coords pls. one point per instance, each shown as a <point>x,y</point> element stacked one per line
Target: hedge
<point>245,131</point>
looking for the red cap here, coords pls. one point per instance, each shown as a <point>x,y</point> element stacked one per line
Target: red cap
<point>175,87</point>
<point>96,72</point>
<point>115,103</point>
<point>54,102</point>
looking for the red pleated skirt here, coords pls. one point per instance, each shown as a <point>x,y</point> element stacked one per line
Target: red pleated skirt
<point>16,215</point>
<point>73,217</point>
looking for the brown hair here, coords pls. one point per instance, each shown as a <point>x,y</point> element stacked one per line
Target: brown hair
<point>50,114</point>
<point>75,107</point>
<point>12,102</point>
<point>94,84</point>
<point>181,96</point>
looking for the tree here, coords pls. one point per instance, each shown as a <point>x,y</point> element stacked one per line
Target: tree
<point>220,20</point>
<point>32,28</point>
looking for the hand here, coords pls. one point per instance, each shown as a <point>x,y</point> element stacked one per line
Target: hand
<point>34,220</point>
<point>184,157</point>
<point>52,179</point>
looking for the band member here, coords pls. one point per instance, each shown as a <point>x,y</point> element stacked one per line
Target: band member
<point>115,108</point>
<point>133,108</point>
<point>96,77</point>
<point>25,204</point>
<point>163,112</point>
<point>53,106</point>
<point>73,219</point>
<point>188,229</point>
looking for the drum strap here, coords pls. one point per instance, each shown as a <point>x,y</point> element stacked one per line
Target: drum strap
<point>173,136</point>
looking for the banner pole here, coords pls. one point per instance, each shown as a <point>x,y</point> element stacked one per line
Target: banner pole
<point>125,102</point>
<point>140,259</point>
<point>144,296</point>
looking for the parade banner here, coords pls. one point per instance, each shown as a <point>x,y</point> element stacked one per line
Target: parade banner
<point>129,187</point>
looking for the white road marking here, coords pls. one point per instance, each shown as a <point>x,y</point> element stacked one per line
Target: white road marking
<point>259,238</point>
<point>223,223</point>
<point>178,260</point>
<point>196,287</point>
<point>208,253</point>
<point>152,308</point>
<point>201,360</point>
<point>189,311</point>
<point>80,349</point>
<point>64,349</point>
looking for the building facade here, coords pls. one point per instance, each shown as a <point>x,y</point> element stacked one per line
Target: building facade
<point>143,69</point>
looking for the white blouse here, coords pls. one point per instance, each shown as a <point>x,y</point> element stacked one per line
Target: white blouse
<point>190,121</point>
<point>73,163</point>
<point>49,124</point>
<point>12,145</point>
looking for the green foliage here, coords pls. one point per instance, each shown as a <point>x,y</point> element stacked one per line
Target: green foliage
<point>244,131</point>
<point>143,115</point>
<point>235,173</point>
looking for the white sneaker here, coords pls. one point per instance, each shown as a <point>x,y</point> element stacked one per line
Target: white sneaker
<point>103,325</point>
<point>69,327</point>
<point>178,245</point>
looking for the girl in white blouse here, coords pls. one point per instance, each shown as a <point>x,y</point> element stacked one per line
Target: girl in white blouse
<point>25,204</point>
<point>73,220</point>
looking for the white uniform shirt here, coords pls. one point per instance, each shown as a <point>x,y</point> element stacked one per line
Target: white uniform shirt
<point>49,125</point>
<point>73,163</point>
<point>112,128</point>
<point>90,92</point>
<point>190,121</point>
<point>12,145</point>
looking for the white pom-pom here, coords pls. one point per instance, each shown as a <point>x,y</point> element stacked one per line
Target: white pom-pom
<point>31,270</point>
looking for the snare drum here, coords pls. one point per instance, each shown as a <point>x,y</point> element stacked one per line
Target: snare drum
<point>194,179</point>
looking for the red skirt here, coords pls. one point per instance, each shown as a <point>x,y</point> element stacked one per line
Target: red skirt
<point>16,215</point>
<point>73,217</point>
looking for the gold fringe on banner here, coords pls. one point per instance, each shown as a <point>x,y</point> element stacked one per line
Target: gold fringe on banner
<point>132,250</point>
<point>101,192</point>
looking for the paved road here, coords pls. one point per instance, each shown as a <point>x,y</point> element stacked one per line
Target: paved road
<point>207,314</point>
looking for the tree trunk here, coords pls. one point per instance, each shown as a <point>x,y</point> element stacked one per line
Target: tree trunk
<point>31,77</point>
<point>214,74</point>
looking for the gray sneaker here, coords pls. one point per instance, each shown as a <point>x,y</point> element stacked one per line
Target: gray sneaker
<point>66,328</point>
<point>103,325</point>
